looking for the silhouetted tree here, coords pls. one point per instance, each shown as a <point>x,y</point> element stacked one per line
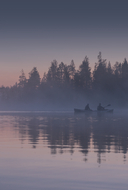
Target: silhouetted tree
<point>61,73</point>
<point>77,81</point>
<point>34,79</point>
<point>125,75</point>
<point>85,74</point>
<point>71,69</point>
<point>22,79</point>
<point>99,73</point>
<point>117,76</point>
<point>52,72</point>
<point>118,69</point>
<point>109,82</point>
<point>31,89</point>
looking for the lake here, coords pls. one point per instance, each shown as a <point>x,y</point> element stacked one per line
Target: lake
<point>63,150</point>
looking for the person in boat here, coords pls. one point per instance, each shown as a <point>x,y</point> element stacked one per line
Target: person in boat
<point>87,107</point>
<point>100,108</point>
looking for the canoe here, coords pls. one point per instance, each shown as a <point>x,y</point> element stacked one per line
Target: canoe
<point>92,111</point>
<point>106,110</point>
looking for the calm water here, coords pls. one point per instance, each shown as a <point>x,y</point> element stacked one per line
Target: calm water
<point>62,151</point>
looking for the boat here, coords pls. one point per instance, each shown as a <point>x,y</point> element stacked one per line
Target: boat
<point>106,110</point>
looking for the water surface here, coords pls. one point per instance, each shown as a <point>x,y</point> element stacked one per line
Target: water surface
<point>63,150</point>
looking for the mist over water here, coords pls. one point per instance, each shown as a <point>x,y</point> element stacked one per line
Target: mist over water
<point>67,150</point>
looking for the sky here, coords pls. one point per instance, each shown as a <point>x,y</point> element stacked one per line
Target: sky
<point>34,33</point>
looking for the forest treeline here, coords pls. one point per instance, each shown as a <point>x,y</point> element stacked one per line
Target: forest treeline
<point>64,86</point>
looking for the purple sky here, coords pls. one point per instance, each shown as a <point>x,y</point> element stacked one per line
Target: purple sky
<point>34,33</point>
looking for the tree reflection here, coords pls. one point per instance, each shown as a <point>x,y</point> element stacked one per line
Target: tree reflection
<point>33,131</point>
<point>101,134</point>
